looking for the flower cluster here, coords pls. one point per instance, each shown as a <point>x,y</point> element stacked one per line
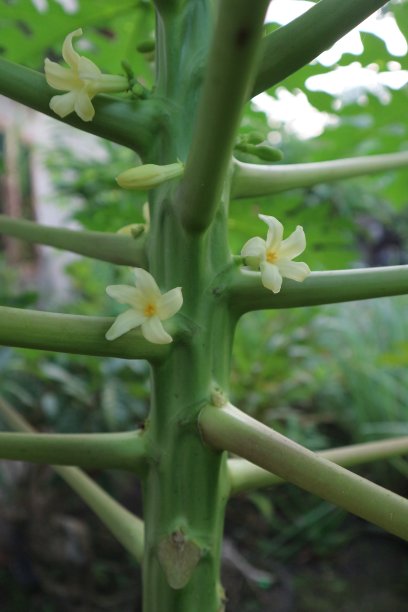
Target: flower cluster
<point>82,81</point>
<point>148,308</point>
<point>273,256</point>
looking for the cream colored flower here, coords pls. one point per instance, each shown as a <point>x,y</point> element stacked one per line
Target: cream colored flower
<point>82,80</point>
<point>149,176</point>
<point>149,307</point>
<point>273,257</point>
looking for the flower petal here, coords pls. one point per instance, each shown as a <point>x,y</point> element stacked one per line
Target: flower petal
<point>295,270</point>
<point>271,277</point>
<point>63,104</point>
<point>169,303</point>
<point>153,331</point>
<point>124,323</point>
<point>68,53</point>
<point>124,294</point>
<point>254,252</point>
<point>147,285</point>
<point>83,106</point>
<point>294,245</point>
<point>59,77</point>
<point>275,232</point>
<point>87,69</point>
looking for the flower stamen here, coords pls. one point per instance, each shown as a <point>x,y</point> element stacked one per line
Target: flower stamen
<point>271,256</point>
<point>150,310</point>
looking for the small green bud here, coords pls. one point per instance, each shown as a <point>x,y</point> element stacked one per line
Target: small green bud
<point>138,90</point>
<point>246,157</point>
<point>147,46</point>
<point>134,230</point>
<point>255,138</point>
<point>149,176</point>
<point>264,152</point>
<point>128,69</point>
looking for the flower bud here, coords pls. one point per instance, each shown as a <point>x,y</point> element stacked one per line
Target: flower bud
<point>263,152</point>
<point>149,176</point>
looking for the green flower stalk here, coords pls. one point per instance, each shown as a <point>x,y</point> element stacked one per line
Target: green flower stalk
<point>149,176</point>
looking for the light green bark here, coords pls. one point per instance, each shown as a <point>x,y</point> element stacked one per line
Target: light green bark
<point>245,476</point>
<point>115,248</point>
<point>229,428</point>
<point>251,180</point>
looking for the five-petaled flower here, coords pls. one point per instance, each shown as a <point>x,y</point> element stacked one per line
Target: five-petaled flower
<point>273,256</point>
<point>82,80</point>
<point>149,307</point>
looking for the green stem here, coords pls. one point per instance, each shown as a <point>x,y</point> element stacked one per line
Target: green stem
<point>76,334</point>
<point>303,39</point>
<point>245,476</point>
<point>127,528</point>
<point>115,248</point>
<point>230,429</point>
<point>250,180</point>
<point>185,488</point>
<point>125,451</point>
<point>227,81</point>
<point>247,292</point>
<point>129,123</point>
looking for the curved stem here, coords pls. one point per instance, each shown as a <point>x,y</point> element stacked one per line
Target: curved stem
<point>228,78</point>
<point>127,528</point>
<point>114,248</point>
<point>124,451</point>
<point>245,476</point>
<point>129,123</point>
<point>298,43</point>
<point>228,428</point>
<point>247,292</point>
<point>76,334</point>
<point>250,180</point>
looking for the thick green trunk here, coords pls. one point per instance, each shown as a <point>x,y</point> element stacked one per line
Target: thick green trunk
<point>186,487</point>
<point>185,491</point>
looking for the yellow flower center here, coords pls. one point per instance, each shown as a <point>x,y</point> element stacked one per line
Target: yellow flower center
<point>150,310</point>
<point>271,256</point>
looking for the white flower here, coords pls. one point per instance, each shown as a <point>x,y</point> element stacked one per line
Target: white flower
<point>82,80</point>
<point>273,257</point>
<point>149,307</point>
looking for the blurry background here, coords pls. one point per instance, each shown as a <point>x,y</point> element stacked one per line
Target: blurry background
<point>323,376</point>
